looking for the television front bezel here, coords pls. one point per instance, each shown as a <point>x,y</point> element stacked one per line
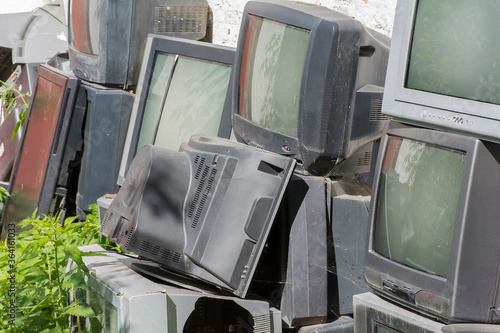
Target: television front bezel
<point>456,297</point>
<point>157,44</point>
<point>426,108</point>
<point>322,107</point>
<point>58,155</point>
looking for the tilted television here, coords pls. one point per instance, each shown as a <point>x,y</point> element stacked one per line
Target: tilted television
<point>184,89</point>
<point>308,83</point>
<point>107,37</point>
<point>442,74</point>
<point>433,236</point>
<point>204,211</point>
<point>42,166</point>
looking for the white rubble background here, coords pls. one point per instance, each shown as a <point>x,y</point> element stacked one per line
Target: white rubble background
<point>375,14</point>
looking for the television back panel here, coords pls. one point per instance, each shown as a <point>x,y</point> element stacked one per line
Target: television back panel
<point>106,124</point>
<point>43,153</point>
<point>204,211</point>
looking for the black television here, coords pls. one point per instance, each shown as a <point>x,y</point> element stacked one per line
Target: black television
<point>308,83</point>
<point>107,37</point>
<point>184,89</point>
<point>107,115</point>
<point>204,211</point>
<point>433,234</point>
<point>42,166</point>
<point>443,75</point>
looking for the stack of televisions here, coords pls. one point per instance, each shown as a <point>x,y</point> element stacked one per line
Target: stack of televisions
<point>258,221</point>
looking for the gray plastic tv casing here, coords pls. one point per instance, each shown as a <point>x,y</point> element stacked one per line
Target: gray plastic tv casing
<point>170,45</point>
<point>124,27</point>
<point>204,211</point>
<point>64,143</point>
<point>470,292</point>
<point>149,305</point>
<point>343,57</point>
<point>428,109</point>
<point>107,117</point>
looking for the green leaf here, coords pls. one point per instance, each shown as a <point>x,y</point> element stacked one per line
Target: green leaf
<point>75,254</point>
<point>84,310</point>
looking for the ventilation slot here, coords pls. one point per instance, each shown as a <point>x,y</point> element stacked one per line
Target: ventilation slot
<point>105,220</point>
<point>204,198</point>
<point>253,144</point>
<point>170,255</point>
<point>200,166</point>
<point>181,19</point>
<point>145,246</point>
<point>262,324</point>
<point>129,237</point>
<point>366,160</point>
<point>376,110</point>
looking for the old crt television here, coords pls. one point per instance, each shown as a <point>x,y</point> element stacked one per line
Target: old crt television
<point>107,115</point>
<point>433,236</point>
<point>47,149</point>
<point>107,37</point>
<point>184,89</point>
<point>204,211</point>
<point>308,83</point>
<point>444,75</point>
<point>125,301</point>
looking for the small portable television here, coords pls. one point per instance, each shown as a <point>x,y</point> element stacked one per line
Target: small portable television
<point>442,74</point>
<point>308,83</point>
<point>42,167</point>
<point>107,37</point>
<point>184,89</point>
<point>433,235</point>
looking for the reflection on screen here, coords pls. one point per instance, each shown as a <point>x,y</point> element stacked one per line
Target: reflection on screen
<point>193,104</point>
<point>417,203</point>
<point>85,25</point>
<point>36,150</point>
<point>455,49</point>
<point>106,314</point>
<point>271,74</point>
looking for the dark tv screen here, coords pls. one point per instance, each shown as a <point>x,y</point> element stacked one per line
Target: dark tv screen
<point>86,16</point>
<point>185,96</point>
<point>272,66</point>
<point>33,159</point>
<point>417,204</point>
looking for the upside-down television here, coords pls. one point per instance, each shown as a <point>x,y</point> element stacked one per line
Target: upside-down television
<point>204,211</point>
<point>443,74</point>
<point>433,236</point>
<point>308,83</point>
<point>41,170</point>
<point>107,37</point>
<point>184,89</point>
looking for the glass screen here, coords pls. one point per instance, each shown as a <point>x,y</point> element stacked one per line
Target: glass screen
<point>417,203</point>
<point>455,49</point>
<point>193,104</point>
<point>271,74</point>
<point>33,162</point>
<point>85,25</point>
<point>106,314</point>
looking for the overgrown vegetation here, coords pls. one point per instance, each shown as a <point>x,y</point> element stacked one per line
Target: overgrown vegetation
<point>11,97</point>
<point>42,285</point>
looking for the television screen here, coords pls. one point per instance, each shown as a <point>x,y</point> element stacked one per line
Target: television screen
<point>107,37</point>
<point>307,80</point>
<point>432,223</point>
<point>204,211</point>
<point>8,145</point>
<point>444,75</point>
<point>183,90</point>
<point>38,164</point>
